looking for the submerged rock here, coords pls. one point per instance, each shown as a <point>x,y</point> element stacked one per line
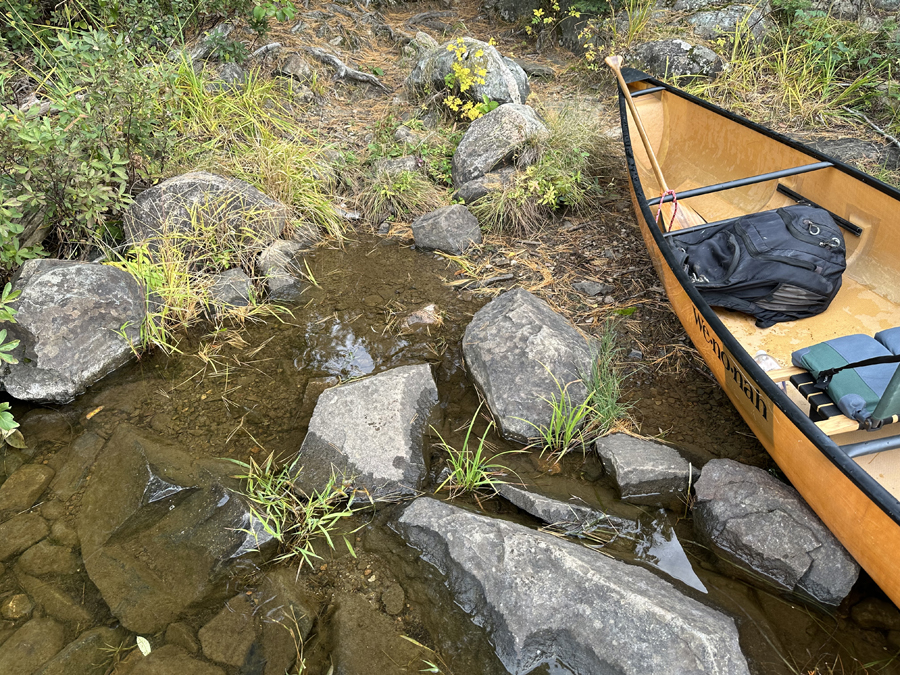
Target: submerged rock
<point>544,600</point>
<point>88,655</point>
<point>646,472</point>
<point>31,646</point>
<point>371,431</point>
<point>21,490</point>
<point>495,139</point>
<point>232,208</point>
<point>519,352</point>
<point>763,526</point>
<point>501,81</point>
<point>77,322</point>
<point>158,529</point>
<point>172,660</point>
<point>553,511</point>
<point>451,229</point>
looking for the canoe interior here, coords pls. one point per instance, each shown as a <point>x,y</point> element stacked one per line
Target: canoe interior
<point>697,147</point>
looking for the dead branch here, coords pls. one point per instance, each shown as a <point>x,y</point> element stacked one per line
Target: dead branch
<point>342,71</point>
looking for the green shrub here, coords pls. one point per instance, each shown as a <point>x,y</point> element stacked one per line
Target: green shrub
<point>106,129</point>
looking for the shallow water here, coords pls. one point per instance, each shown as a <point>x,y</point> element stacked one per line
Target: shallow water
<point>230,397</point>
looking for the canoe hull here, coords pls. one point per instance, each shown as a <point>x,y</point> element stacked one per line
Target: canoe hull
<point>861,514</point>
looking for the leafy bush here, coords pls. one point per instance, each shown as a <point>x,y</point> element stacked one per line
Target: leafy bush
<point>72,167</point>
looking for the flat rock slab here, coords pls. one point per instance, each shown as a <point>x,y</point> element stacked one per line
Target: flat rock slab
<point>646,472</point>
<point>20,533</point>
<point>451,229</point>
<point>762,525</point>
<point>21,490</point>
<point>542,599</point>
<point>371,431</point>
<point>158,529</point>
<point>552,511</point>
<point>494,139</point>
<point>172,660</point>
<point>88,655</point>
<point>77,322</point>
<point>237,209</point>
<point>31,646</point>
<point>519,352</point>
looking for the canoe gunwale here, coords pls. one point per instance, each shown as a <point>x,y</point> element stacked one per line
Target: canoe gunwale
<point>885,501</point>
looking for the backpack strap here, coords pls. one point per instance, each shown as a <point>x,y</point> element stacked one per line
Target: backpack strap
<point>825,376</point>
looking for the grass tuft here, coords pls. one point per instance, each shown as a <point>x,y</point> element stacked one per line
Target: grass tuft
<point>470,469</point>
<point>292,519</point>
<point>567,173</point>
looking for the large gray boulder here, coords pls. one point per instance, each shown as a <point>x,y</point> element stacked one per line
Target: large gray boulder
<point>646,472</point>
<point>451,229</point>
<point>371,431</point>
<point>753,21</point>
<point>236,210</point>
<point>543,599</point>
<point>495,139</point>
<point>519,352</point>
<point>763,526</point>
<point>674,57</point>
<point>77,322</point>
<point>504,81</point>
<point>159,529</point>
<point>848,10</point>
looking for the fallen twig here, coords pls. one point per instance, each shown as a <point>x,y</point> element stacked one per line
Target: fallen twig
<point>872,124</point>
<point>342,70</point>
<point>265,49</point>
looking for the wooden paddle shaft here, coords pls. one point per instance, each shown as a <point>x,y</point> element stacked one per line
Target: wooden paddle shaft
<point>615,62</point>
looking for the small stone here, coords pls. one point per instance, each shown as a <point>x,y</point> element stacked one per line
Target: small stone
<point>20,533</point>
<point>180,634</point>
<point>451,229</point>
<point>635,355</point>
<point>533,69</point>
<point>876,614</point>
<point>275,265</point>
<point>296,67</point>
<point>392,167</point>
<point>227,638</point>
<point>63,534</point>
<point>592,288</point>
<point>54,600</point>
<point>406,135</point>
<point>231,288</point>
<point>22,489</point>
<point>53,509</point>
<point>394,599</point>
<point>16,607</point>
<point>646,472</point>
<point>44,558</point>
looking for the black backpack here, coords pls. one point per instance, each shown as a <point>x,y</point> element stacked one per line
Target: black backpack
<point>776,265</point>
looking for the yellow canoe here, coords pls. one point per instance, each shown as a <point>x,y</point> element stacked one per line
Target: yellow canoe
<point>700,145</point>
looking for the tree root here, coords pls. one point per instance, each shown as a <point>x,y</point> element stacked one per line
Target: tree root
<point>342,71</point>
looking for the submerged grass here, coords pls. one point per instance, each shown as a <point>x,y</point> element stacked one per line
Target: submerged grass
<point>290,517</point>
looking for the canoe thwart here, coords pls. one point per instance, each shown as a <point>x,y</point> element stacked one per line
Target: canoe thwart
<point>742,182</point>
<point>648,90</point>
<point>800,199</point>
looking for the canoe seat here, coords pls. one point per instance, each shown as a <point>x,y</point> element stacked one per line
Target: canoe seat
<point>851,395</point>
